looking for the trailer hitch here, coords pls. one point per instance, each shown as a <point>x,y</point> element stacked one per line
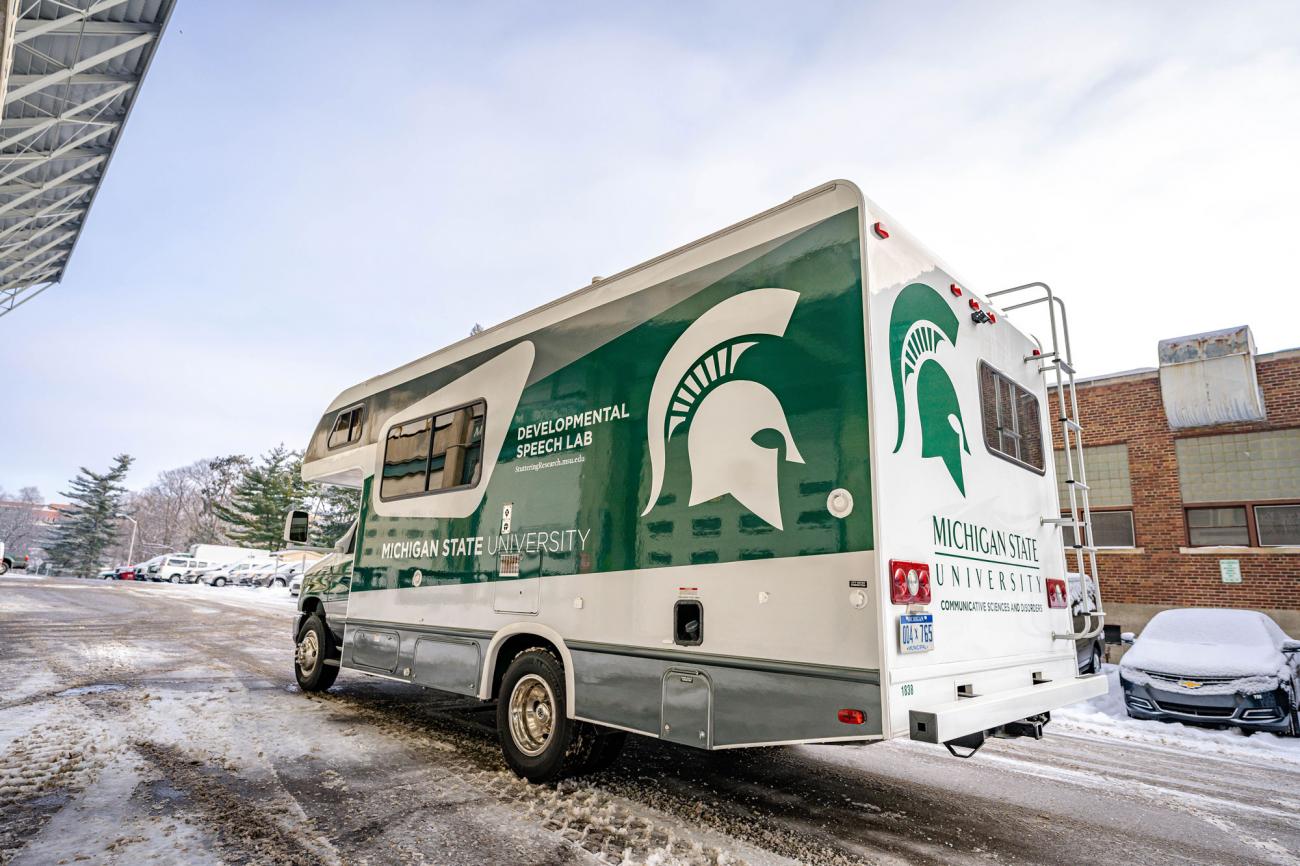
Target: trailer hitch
<point>1031,726</point>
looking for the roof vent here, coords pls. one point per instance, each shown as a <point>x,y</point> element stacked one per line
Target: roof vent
<point>1209,378</point>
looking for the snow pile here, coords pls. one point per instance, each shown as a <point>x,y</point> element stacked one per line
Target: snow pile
<point>1210,642</point>
<point>1106,717</point>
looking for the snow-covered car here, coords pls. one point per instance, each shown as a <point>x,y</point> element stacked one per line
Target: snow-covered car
<point>279,575</point>
<point>295,583</point>
<point>220,575</point>
<point>1091,651</point>
<point>107,574</point>
<point>1214,666</point>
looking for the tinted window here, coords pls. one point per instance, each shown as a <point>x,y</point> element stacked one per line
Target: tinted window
<point>1012,428</point>
<point>1109,529</point>
<point>1278,524</point>
<point>1208,527</point>
<point>438,452</point>
<point>347,427</point>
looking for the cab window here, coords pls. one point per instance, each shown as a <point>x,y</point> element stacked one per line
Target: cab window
<point>347,427</point>
<point>1012,425</point>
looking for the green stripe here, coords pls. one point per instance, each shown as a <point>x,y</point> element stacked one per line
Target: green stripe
<point>989,561</point>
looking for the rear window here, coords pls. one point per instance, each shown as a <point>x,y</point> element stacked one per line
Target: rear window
<point>1013,428</point>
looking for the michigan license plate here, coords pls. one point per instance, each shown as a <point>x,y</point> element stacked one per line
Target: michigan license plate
<point>916,633</point>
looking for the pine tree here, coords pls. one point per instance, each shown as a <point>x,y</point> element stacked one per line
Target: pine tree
<point>262,496</point>
<point>82,537</point>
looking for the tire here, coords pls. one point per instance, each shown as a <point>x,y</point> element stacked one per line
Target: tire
<point>174,579</point>
<point>1096,660</point>
<point>314,646</point>
<point>220,581</point>
<point>279,582</point>
<point>4,567</point>
<point>539,741</point>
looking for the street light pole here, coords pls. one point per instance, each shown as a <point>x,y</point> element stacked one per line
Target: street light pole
<point>135,527</point>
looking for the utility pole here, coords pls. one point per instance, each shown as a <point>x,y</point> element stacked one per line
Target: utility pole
<point>135,527</point>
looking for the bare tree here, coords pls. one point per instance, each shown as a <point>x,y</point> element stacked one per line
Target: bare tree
<point>22,526</point>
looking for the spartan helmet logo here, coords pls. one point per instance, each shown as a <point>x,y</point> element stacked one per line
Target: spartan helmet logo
<point>695,383</point>
<point>919,324</point>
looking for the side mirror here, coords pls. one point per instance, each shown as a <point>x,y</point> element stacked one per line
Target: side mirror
<point>296,526</point>
<point>1127,638</point>
<point>1291,646</point>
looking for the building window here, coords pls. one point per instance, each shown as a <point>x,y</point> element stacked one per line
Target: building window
<point>1211,527</point>
<point>347,427</point>
<point>1240,467</point>
<point>1278,525</point>
<point>1110,529</point>
<point>438,452</point>
<point>1108,476</point>
<point>1012,424</point>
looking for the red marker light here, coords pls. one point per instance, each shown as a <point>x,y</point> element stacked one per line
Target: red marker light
<point>852,717</point>
<point>880,231</point>
<point>993,317</point>
<point>955,289</point>
<point>909,582</point>
<point>974,304</point>
<point>1037,352</point>
<point>1057,595</point>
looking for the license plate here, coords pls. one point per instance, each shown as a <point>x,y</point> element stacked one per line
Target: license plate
<point>916,633</point>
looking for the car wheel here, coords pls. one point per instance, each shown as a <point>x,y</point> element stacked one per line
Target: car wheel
<point>220,581</point>
<point>279,582</point>
<point>1096,660</point>
<point>539,741</point>
<point>174,579</point>
<point>315,646</point>
<point>4,567</point>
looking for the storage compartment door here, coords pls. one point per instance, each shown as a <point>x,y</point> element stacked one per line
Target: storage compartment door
<point>517,596</point>
<point>687,715</point>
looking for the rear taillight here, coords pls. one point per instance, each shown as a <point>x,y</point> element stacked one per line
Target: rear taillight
<point>1057,594</point>
<point>909,582</point>
<point>852,717</point>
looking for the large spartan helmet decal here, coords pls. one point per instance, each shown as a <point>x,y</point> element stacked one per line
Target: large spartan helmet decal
<point>694,382</point>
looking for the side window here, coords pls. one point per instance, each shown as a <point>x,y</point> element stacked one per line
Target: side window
<point>439,452</point>
<point>1012,427</point>
<point>347,427</point>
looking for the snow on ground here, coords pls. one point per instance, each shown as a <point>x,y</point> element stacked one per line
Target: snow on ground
<point>1105,716</point>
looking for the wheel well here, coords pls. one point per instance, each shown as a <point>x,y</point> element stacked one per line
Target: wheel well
<point>311,604</point>
<point>513,646</point>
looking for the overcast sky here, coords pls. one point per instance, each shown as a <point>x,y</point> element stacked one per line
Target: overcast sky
<point>312,193</point>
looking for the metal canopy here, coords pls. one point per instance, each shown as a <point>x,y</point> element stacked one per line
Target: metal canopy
<point>70,71</point>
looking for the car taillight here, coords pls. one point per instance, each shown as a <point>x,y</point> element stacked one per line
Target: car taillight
<point>909,582</point>
<point>1057,594</point>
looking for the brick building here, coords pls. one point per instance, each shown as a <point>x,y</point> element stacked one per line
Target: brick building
<point>1194,476</point>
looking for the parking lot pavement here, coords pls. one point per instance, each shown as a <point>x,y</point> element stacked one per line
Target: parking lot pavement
<point>153,723</point>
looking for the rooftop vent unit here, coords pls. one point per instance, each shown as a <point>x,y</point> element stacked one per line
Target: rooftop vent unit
<point>1209,378</point>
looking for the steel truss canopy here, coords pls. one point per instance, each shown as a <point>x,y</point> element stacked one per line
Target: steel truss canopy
<point>70,71</point>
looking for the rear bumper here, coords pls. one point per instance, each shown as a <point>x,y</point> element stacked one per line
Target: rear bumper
<point>940,723</point>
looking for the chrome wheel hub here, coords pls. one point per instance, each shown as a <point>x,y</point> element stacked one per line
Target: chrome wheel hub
<point>307,652</point>
<point>532,714</point>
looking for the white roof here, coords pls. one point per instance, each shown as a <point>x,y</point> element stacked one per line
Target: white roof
<point>70,71</point>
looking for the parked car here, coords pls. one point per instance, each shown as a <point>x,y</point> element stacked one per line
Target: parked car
<point>1091,651</point>
<point>148,570</point>
<point>279,575</point>
<point>295,584</point>
<point>191,574</point>
<point>125,572</point>
<point>107,574</point>
<point>172,567</point>
<point>9,560</point>
<point>1213,666</point>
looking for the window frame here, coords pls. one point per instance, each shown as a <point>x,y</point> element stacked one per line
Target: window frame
<point>1109,509</point>
<point>1018,435</point>
<point>1252,527</point>
<point>1254,520</point>
<point>360,426</point>
<point>428,457</point>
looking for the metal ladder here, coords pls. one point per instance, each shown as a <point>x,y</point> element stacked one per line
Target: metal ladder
<point>1060,360</point>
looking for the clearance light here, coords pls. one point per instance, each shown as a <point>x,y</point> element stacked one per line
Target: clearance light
<point>955,289</point>
<point>879,229</point>
<point>993,317</point>
<point>909,582</point>
<point>1037,353</point>
<point>852,717</point>
<point>974,304</point>
<point>1057,595</point>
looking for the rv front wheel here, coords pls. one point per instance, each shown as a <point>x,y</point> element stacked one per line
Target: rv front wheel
<point>314,648</point>
<point>539,741</point>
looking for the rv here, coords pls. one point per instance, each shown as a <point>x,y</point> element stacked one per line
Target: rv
<point>791,483</point>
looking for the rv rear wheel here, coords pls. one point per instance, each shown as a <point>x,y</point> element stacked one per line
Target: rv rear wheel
<point>314,648</point>
<point>540,742</point>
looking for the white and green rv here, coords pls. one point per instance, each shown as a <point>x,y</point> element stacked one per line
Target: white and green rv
<point>791,483</point>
